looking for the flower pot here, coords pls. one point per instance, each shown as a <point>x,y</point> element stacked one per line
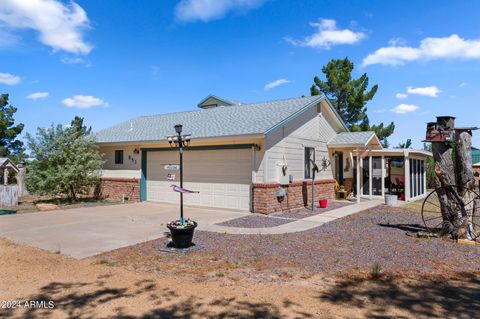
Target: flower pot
<point>323,203</point>
<point>182,237</point>
<point>390,200</point>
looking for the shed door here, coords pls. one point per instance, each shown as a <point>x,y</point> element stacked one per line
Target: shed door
<point>223,177</point>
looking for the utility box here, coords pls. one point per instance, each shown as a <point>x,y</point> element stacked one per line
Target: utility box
<point>440,131</point>
<point>283,176</point>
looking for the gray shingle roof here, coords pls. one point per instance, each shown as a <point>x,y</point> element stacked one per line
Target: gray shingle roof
<point>254,118</point>
<point>351,138</point>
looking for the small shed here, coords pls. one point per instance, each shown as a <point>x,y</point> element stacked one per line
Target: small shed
<point>7,167</point>
<point>8,193</point>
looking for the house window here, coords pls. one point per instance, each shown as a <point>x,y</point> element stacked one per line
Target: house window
<point>119,157</point>
<point>309,157</point>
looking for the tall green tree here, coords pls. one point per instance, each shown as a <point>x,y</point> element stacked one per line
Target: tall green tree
<point>349,97</point>
<point>64,162</point>
<point>10,146</point>
<point>406,144</point>
<point>78,126</point>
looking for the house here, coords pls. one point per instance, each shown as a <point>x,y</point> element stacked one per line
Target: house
<point>242,153</point>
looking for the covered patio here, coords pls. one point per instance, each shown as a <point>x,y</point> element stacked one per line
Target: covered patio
<point>366,170</point>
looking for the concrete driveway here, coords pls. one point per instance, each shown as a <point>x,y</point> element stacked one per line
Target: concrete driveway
<point>87,231</point>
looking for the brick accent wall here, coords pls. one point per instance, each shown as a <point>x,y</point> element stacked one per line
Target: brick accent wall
<point>114,188</point>
<point>348,183</point>
<point>299,195</point>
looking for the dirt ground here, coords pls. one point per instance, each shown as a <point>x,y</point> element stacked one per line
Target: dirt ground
<point>26,204</point>
<point>355,244</point>
<point>93,289</point>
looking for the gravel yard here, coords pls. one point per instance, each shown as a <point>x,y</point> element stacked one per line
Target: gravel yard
<point>280,218</point>
<point>256,221</point>
<point>304,212</point>
<point>350,245</point>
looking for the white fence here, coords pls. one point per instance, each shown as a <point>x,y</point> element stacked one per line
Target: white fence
<point>8,195</point>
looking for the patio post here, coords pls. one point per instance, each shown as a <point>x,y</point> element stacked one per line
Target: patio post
<point>383,176</point>
<point>370,177</point>
<point>406,173</point>
<point>424,177</point>
<point>358,176</point>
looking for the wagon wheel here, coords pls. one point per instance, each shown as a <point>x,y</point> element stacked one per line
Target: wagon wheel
<point>432,215</point>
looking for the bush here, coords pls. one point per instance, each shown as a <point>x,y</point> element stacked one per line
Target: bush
<point>65,162</point>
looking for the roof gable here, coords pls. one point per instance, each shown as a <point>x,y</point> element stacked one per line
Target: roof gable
<point>355,139</point>
<point>7,163</point>
<point>212,101</point>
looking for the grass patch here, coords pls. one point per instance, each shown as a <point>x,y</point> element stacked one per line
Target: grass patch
<point>375,271</point>
<point>105,262</point>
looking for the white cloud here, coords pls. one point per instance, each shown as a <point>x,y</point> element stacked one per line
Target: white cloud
<point>452,47</point>
<point>38,95</point>
<point>463,84</point>
<point>328,35</point>
<point>9,79</point>
<point>84,101</point>
<point>276,83</point>
<point>397,42</point>
<point>75,60</point>
<point>404,108</point>
<point>401,95</point>
<point>379,111</point>
<point>60,26</point>
<point>431,91</point>
<point>206,10</point>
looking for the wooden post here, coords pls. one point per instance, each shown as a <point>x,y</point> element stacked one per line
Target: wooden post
<point>5,176</point>
<point>460,173</point>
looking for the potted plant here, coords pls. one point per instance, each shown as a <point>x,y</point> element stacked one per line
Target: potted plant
<point>181,231</point>
<point>323,202</point>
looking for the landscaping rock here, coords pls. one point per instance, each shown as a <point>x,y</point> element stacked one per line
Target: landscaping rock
<point>46,207</point>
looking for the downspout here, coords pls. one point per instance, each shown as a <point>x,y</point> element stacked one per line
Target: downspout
<point>254,178</point>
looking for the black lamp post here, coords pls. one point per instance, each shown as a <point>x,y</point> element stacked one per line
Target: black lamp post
<point>179,141</point>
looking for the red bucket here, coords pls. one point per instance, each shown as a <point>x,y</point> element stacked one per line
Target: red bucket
<point>323,203</point>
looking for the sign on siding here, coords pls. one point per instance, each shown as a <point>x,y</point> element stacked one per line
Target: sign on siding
<point>171,167</point>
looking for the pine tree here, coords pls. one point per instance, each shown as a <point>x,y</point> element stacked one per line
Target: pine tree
<point>349,97</point>
<point>10,146</point>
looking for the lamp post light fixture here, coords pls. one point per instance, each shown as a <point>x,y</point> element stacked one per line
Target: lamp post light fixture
<point>180,141</point>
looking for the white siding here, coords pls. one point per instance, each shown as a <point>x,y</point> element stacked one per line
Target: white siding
<point>310,129</point>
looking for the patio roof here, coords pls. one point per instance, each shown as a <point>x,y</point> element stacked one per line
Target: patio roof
<point>400,152</point>
<point>355,140</point>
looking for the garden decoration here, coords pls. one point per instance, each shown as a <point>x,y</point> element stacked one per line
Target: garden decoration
<point>325,163</point>
<point>182,190</point>
<point>452,208</point>
<point>432,212</point>
<point>182,229</point>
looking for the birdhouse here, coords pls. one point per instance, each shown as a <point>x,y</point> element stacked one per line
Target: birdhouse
<point>441,130</point>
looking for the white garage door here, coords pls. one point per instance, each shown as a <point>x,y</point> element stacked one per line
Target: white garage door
<point>223,177</point>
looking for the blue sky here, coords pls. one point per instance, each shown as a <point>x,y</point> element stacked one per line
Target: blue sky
<point>112,60</point>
